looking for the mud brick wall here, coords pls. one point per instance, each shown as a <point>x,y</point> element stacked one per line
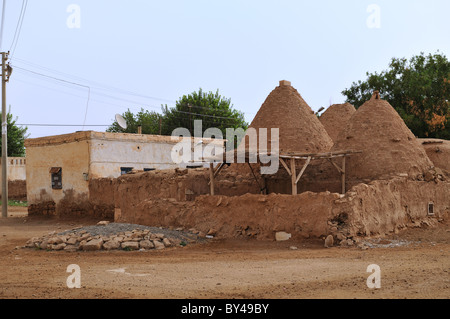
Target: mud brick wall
<point>17,190</point>
<point>181,185</point>
<point>250,215</point>
<point>378,208</point>
<point>101,197</point>
<point>383,207</point>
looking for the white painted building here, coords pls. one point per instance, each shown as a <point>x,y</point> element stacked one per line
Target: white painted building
<point>16,169</point>
<point>64,164</point>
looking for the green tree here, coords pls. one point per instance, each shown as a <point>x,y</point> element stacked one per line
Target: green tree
<point>419,89</point>
<point>150,122</point>
<point>16,137</point>
<point>213,109</point>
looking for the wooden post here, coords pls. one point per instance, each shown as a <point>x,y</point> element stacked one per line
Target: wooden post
<point>303,169</point>
<point>4,140</point>
<point>221,165</point>
<point>343,175</point>
<point>293,177</point>
<point>285,166</point>
<point>211,178</point>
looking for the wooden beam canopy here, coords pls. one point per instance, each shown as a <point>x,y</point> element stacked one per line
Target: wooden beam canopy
<point>289,162</point>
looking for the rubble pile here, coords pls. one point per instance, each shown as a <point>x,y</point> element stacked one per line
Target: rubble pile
<point>109,237</point>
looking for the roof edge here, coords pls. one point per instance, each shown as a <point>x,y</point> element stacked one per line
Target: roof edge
<point>107,136</point>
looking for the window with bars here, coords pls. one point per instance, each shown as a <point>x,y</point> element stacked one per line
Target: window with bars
<point>56,174</point>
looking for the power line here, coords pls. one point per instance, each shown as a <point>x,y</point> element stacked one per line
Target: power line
<point>87,107</point>
<point>99,86</point>
<point>65,81</point>
<point>50,77</point>
<point>94,84</point>
<point>18,28</point>
<point>71,94</point>
<point>220,120</point>
<point>84,86</point>
<point>101,94</point>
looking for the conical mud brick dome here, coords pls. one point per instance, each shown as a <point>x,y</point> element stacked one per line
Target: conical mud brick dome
<point>388,146</point>
<point>335,118</point>
<point>299,128</point>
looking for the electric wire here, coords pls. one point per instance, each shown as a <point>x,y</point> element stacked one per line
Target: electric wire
<point>126,100</point>
<point>18,28</point>
<point>211,119</point>
<point>109,104</point>
<point>103,87</point>
<point>65,81</point>
<point>94,84</point>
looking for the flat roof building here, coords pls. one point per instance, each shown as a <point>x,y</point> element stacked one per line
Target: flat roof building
<point>60,168</point>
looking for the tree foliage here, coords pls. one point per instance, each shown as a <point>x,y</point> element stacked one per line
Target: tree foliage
<point>150,122</point>
<point>16,137</point>
<point>213,109</point>
<point>418,88</point>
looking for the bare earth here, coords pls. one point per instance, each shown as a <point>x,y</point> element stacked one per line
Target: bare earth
<point>222,269</point>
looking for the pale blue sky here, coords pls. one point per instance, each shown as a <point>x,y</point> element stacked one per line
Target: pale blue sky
<point>164,49</point>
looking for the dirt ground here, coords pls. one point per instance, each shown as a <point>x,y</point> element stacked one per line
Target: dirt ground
<point>224,269</point>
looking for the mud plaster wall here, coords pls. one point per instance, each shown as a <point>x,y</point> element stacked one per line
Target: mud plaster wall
<point>99,203</point>
<point>389,206</point>
<point>439,153</point>
<point>180,185</point>
<point>101,197</point>
<point>73,158</point>
<point>17,190</point>
<point>250,215</point>
<point>367,210</point>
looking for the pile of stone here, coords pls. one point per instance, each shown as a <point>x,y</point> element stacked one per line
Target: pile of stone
<point>339,235</point>
<point>81,240</point>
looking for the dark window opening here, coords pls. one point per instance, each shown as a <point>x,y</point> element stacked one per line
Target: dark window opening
<point>125,170</point>
<point>430,209</point>
<point>149,169</point>
<point>56,173</point>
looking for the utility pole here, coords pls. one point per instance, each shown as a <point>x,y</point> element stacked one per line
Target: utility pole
<point>5,69</point>
<point>190,119</point>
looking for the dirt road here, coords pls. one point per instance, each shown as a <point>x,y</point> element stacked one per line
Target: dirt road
<point>223,269</point>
